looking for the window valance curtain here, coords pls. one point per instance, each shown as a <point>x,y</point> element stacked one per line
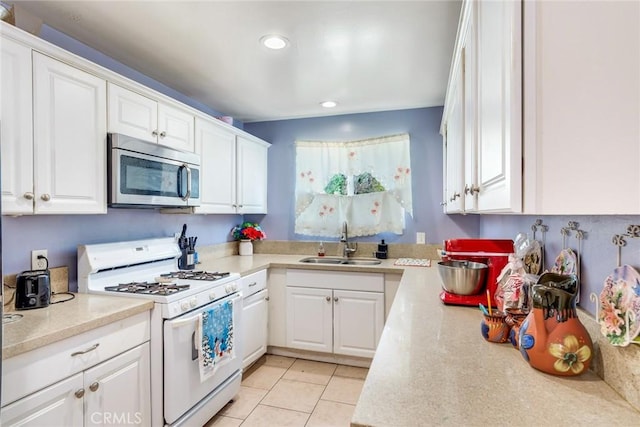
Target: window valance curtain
<point>366,183</point>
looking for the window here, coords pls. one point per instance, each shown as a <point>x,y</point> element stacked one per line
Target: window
<point>366,183</point>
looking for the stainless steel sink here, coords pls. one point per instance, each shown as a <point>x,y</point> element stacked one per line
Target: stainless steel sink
<point>340,261</point>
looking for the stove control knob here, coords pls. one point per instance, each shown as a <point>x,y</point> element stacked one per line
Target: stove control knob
<point>212,296</point>
<point>184,306</point>
<point>227,288</point>
<point>193,302</point>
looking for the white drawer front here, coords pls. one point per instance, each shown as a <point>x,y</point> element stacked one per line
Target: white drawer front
<point>253,283</point>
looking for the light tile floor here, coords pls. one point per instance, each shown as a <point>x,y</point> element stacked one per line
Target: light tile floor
<point>283,391</point>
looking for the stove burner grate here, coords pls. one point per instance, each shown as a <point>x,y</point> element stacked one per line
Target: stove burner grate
<point>153,288</point>
<point>196,275</point>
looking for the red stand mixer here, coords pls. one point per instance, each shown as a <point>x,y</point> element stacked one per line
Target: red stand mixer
<point>492,252</point>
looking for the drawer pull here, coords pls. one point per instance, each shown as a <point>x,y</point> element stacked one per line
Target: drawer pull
<point>253,284</point>
<point>94,386</point>
<point>79,393</point>
<point>78,353</point>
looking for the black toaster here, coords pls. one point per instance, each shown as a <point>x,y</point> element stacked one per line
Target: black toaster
<point>33,289</point>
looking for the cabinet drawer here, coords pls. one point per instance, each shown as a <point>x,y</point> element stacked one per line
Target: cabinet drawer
<point>350,281</point>
<point>32,371</point>
<point>253,283</point>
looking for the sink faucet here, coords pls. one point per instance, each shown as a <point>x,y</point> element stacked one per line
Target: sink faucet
<point>346,248</point>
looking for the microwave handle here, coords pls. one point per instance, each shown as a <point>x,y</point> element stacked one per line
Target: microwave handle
<point>188,169</point>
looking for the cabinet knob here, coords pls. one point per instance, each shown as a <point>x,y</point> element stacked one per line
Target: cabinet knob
<point>473,189</point>
<point>45,197</point>
<point>94,386</point>
<point>328,299</point>
<point>335,299</point>
<point>163,134</point>
<point>79,393</point>
<point>28,195</point>
<point>266,298</point>
<point>155,133</point>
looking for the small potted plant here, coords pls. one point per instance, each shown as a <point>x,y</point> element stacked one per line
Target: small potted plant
<point>246,233</point>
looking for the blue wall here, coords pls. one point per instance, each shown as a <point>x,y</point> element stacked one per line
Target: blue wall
<point>426,164</point>
<point>598,254</point>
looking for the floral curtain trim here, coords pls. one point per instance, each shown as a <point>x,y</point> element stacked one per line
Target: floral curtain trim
<point>333,178</point>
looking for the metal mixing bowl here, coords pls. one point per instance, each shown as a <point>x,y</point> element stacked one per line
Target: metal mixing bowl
<point>462,277</point>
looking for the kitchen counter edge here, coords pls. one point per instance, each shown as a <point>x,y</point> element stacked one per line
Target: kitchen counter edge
<point>40,327</point>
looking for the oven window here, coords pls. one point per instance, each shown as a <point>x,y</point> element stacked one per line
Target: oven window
<point>153,178</point>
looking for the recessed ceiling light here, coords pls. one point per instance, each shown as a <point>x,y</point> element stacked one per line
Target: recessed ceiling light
<point>329,104</point>
<point>274,41</point>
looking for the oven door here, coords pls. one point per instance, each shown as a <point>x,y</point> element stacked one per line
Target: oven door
<point>182,385</point>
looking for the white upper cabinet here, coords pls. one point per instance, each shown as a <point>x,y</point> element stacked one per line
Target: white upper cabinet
<point>582,115</point>
<point>557,123</point>
<point>16,128</point>
<point>252,175</point>
<point>217,148</point>
<point>70,138</point>
<point>482,111</point>
<point>454,147</point>
<point>234,170</point>
<point>141,117</point>
<point>499,146</point>
<point>53,135</point>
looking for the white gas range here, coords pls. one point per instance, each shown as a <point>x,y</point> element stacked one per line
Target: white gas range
<point>149,269</point>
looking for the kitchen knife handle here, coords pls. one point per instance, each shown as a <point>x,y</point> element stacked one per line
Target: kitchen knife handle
<point>79,353</point>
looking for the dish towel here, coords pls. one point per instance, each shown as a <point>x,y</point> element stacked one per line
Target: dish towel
<point>216,343</point>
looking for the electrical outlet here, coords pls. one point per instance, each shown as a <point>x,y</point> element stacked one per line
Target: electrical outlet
<point>38,264</point>
<point>421,238</point>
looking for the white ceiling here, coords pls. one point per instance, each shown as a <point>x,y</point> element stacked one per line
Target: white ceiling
<point>367,55</point>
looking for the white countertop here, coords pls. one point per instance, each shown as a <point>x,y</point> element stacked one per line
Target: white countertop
<point>432,366</point>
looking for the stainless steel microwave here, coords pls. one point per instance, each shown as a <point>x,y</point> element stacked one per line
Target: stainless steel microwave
<point>143,174</point>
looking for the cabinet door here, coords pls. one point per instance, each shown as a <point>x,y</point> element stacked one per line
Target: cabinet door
<point>454,146</point>
<point>252,176</point>
<point>175,128</point>
<point>70,133</point>
<point>132,114</point>
<point>16,128</point>
<point>217,148</point>
<point>499,106</point>
<point>471,187</point>
<point>56,405</point>
<point>309,319</point>
<point>582,107</point>
<point>358,322</point>
<point>117,392</point>
<point>254,327</point>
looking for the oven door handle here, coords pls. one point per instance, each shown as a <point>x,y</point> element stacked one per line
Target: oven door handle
<point>184,322</point>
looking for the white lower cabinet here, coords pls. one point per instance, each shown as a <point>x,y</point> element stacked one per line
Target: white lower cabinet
<point>255,316</point>
<point>117,391</point>
<point>55,405</point>
<point>334,312</point>
<point>101,377</point>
